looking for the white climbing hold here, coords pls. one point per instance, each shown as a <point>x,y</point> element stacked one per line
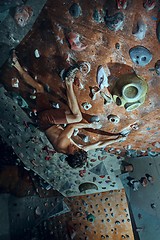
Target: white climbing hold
<point>36,53</point>
<point>85,68</point>
<point>102,77</point>
<point>141,30</point>
<point>38,211</point>
<point>86,106</point>
<point>113,119</point>
<point>55,105</point>
<point>76,131</point>
<point>85,139</point>
<point>15,82</point>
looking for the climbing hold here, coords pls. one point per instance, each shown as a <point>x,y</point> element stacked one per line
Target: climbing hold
<point>117,46</point>
<point>33,161</point>
<point>102,77</point>
<point>47,88</point>
<point>122,4</point>
<point>140,30</point>
<point>100,169</point>
<point>94,119</point>
<point>94,179</point>
<point>62,74</point>
<point>20,101</point>
<point>158,31</point>
<point>143,181</point>
<point>70,72</point>
<point>62,158</point>
<point>84,203</point>
<point>38,211</point>
<point>113,119</point>
<point>102,237</point>
<point>76,131</point>
<point>36,53</point>
<point>152,154</point>
<point>149,4</point>
<point>153,205</point>
<point>87,186</point>
<point>107,97</point>
<point>86,106</point>
<point>156,144</point>
<point>33,97</point>
<point>115,22</point>
<point>85,68</point>
<point>75,10</point>
<point>55,105</point>
<point>85,139</point>
<point>74,41</point>
<point>94,91</point>
<point>117,222</point>
<point>157,67</point>
<point>15,82</point>
<point>98,15</point>
<point>90,218</point>
<point>23,15</point>
<point>140,55</point>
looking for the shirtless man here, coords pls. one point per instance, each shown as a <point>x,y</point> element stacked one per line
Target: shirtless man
<point>49,121</point>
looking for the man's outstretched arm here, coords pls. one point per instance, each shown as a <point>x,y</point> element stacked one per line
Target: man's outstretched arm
<point>69,130</point>
<point>75,115</point>
<point>103,143</point>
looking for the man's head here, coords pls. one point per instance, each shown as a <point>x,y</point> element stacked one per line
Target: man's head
<point>77,159</point>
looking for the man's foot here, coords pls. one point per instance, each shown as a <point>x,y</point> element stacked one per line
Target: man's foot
<point>39,88</point>
<point>128,129</point>
<point>15,63</point>
<point>121,138</point>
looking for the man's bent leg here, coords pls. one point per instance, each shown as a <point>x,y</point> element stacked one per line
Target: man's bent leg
<point>75,115</point>
<point>27,78</point>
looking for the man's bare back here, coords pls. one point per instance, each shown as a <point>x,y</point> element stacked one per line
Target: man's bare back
<point>53,134</point>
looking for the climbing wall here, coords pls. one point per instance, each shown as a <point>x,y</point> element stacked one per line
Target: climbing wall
<point>146,216</point>
<point>66,33</point>
<point>34,150</point>
<point>96,216</point>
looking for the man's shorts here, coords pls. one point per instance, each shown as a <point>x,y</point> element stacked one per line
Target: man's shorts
<point>47,115</point>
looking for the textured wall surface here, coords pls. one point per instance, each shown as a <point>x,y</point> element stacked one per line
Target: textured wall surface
<point>49,37</point>
<point>145,216</point>
<point>111,218</point>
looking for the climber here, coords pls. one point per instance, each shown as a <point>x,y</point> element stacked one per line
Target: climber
<point>49,120</point>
